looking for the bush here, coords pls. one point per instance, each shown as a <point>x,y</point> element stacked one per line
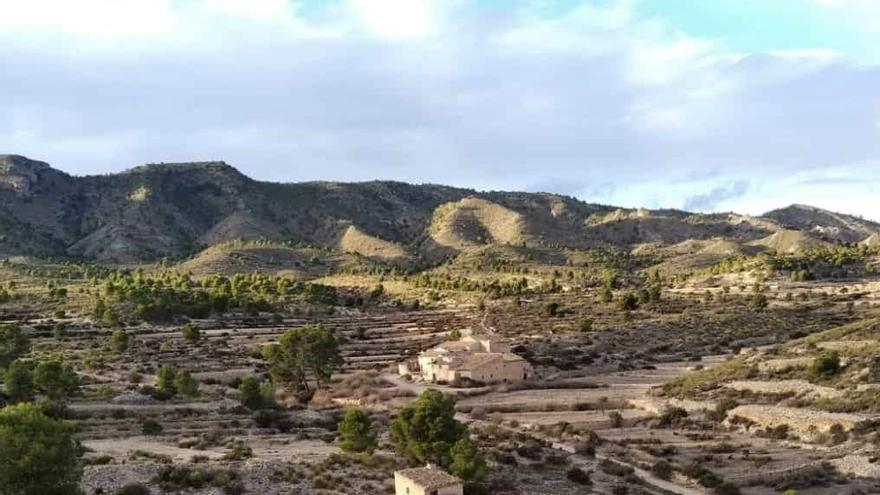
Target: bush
<point>120,341</point>
<point>13,344</point>
<point>616,419</point>
<point>662,469</point>
<point>271,418</point>
<point>629,302</point>
<point>56,379</point>
<point>726,488</point>
<point>182,477</point>
<point>551,308</point>
<point>825,365</point>
<point>468,462</point>
<point>165,380</point>
<point>191,333</point>
<point>18,381</point>
<point>185,384</point>
<point>151,427</point>
<point>702,475</point>
<point>671,417</point>
<point>615,469</point>
<point>579,476</point>
<point>239,451</point>
<point>255,395</point>
<point>134,489</point>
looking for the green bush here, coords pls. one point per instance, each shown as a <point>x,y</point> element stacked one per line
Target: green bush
<point>134,489</point>
<point>826,364</point>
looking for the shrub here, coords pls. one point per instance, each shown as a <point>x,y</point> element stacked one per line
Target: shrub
<point>726,488</point>
<point>270,418</point>
<point>826,364</point>
<point>629,302</point>
<point>837,434</point>
<point>18,381</point>
<point>181,477</point>
<point>671,417</point>
<point>150,426</point>
<point>134,489</point>
<point>758,301</point>
<point>662,469</point>
<point>13,344</point>
<point>468,462</point>
<point>238,451</point>
<point>165,380</point>
<point>579,476</point>
<point>56,379</point>
<point>120,341</point>
<point>191,333</point>
<point>615,469</point>
<point>254,395</point>
<point>185,384</point>
<point>616,419</point>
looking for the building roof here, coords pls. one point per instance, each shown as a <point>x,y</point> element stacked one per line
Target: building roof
<point>476,360</point>
<point>429,478</point>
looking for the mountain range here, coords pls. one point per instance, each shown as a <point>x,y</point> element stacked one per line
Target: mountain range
<point>175,210</point>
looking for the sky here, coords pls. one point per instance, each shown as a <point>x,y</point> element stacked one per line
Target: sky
<point>706,105</point>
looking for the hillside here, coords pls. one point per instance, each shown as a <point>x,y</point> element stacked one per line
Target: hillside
<point>826,224</point>
<point>175,210</point>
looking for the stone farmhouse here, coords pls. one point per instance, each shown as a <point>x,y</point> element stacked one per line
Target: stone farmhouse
<point>427,480</point>
<point>481,358</point>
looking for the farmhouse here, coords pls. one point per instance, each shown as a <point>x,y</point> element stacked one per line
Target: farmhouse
<point>427,480</point>
<point>484,359</point>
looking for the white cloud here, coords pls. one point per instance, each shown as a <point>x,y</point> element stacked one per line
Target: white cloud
<point>100,19</point>
<point>397,19</point>
<point>427,90</point>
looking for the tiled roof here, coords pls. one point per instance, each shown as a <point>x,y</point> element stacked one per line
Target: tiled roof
<point>477,360</point>
<point>429,478</point>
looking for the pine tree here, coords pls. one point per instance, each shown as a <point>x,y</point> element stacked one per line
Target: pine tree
<point>357,432</point>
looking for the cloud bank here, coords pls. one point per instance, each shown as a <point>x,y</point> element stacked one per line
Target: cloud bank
<point>594,99</point>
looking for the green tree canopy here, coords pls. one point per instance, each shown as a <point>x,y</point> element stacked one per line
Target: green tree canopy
<point>18,381</point>
<point>165,380</point>
<point>304,354</point>
<point>38,455</point>
<point>426,430</point>
<point>467,461</point>
<point>255,395</point>
<point>357,432</point>
<point>185,384</point>
<point>56,379</point>
<point>120,341</point>
<point>13,344</point>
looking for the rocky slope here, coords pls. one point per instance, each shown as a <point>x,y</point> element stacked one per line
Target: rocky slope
<point>174,210</point>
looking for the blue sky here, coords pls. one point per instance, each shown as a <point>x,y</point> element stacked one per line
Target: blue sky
<point>713,105</point>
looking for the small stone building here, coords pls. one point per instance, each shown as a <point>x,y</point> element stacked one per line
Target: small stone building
<point>427,480</point>
<point>484,359</point>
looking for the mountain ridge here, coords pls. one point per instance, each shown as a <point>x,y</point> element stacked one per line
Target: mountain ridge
<point>175,209</point>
